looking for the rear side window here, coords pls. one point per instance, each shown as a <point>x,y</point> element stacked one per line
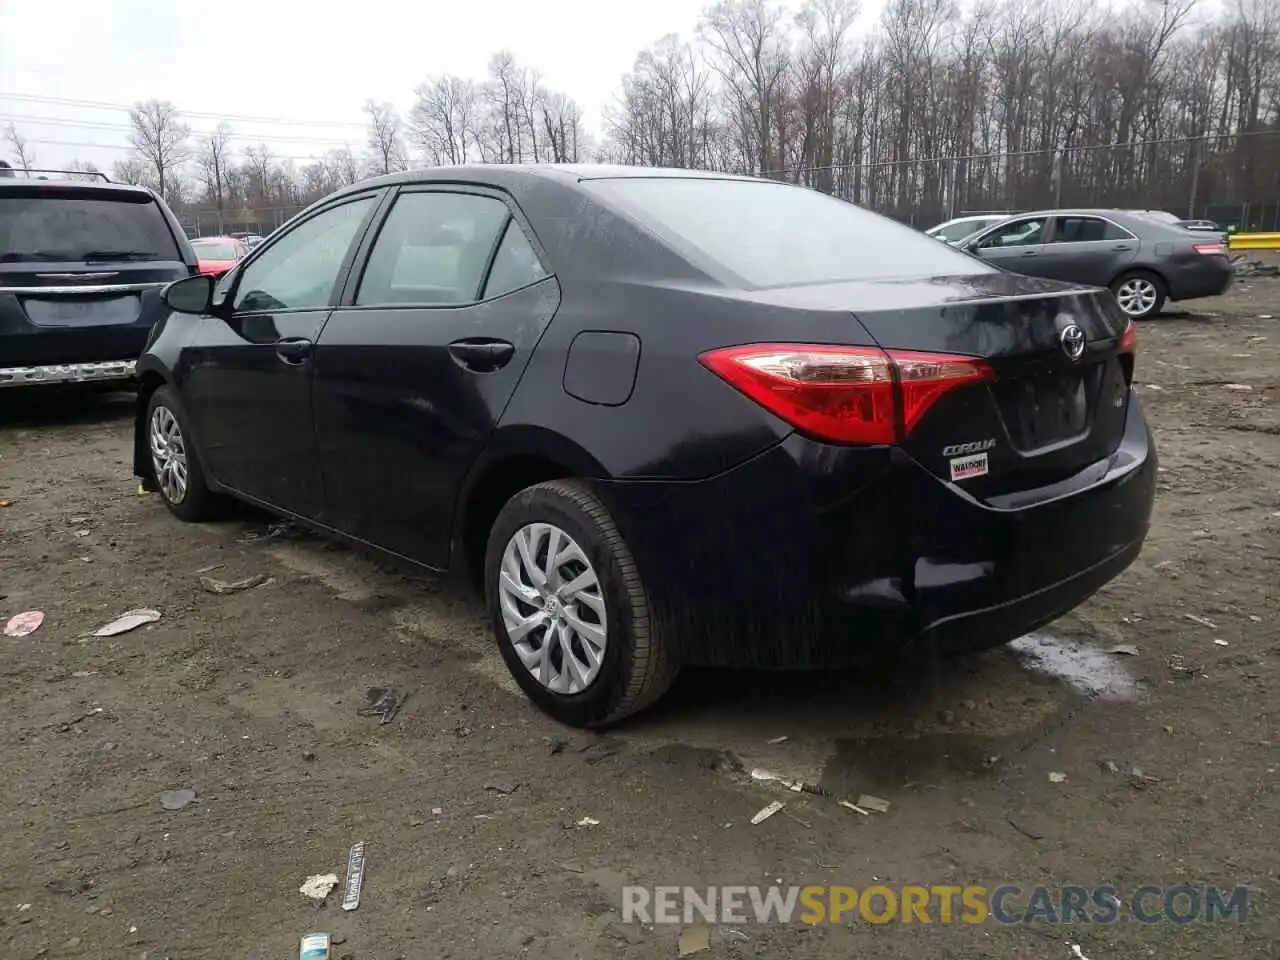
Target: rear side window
<point>215,251</point>
<point>76,227</point>
<point>771,234</point>
<point>1087,230</point>
<point>516,264</point>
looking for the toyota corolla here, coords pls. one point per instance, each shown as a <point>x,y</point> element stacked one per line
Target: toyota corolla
<point>662,417</point>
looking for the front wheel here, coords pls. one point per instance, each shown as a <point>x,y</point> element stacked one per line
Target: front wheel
<point>1139,294</point>
<point>569,608</point>
<point>178,472</point>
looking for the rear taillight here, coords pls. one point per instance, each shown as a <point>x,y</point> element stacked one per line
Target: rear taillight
<point>844,394</point>
<point>1209,249</point>
<point>1129,339</point>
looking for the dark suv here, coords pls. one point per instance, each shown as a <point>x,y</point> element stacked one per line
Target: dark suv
<point>81,269</point>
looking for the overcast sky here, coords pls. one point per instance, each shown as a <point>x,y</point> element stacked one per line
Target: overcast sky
<point>312,63</point>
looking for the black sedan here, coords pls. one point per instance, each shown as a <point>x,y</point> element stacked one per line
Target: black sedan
<point>662,418</point>
<point>1144,260</point>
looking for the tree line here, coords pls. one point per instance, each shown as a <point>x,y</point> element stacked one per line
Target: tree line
<point>1001,105</point>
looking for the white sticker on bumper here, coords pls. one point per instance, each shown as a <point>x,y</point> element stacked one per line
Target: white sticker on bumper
<point>964,468</point>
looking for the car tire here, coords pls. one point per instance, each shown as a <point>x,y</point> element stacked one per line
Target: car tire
<point>1140,294</point>
<point>165,416</point>
<point>635,666</point>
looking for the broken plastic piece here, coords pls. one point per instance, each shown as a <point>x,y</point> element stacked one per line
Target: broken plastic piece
<point>235,586</point>
<point>767,812</point>
<point>24,624</point>
<point>384,702</point>
<point>127,621</point>
<point>868,802</point>
<point>177,799</point>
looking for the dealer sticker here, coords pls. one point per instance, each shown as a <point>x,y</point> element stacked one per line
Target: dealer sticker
<point>965,468</point>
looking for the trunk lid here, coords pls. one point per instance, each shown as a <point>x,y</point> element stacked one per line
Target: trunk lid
<point>1046,414</point>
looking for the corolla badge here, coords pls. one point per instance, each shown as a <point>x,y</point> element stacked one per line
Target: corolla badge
<point>1072,340</point>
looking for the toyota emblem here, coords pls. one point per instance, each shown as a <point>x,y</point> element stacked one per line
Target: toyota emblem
<point>1072,340</point>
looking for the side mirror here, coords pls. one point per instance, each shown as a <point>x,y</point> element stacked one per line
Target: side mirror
<point>190,295</point>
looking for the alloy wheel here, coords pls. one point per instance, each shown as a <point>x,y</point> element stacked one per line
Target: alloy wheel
<point>168,454</point>
<point>1136,296</point>
<point>553,608</point>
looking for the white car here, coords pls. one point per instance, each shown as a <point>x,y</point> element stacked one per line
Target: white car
<point>962,228</point>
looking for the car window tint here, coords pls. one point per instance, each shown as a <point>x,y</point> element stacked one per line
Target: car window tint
<point>1079,230</point>
<point>1020,233</point>
<point>71,226</point>
<point>1111,231</point>
<point>516,264</point>
<point>432,249</point>
<point>299,270</point>
<point>771,234</point>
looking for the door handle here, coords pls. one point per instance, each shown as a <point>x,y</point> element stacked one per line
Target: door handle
<point>295,350</point>
<point>1030,253</point>
<point>482,355</point>
<point>1121,247</point>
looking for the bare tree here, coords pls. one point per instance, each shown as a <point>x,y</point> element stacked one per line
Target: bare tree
<point>84,170</point>
<point>20,148</point>
<point>159,139</point>
<point>258,161</point>
<point>386,141</point>
<point>134,171</point>
<point>213,159</point>
<point>442,123</point>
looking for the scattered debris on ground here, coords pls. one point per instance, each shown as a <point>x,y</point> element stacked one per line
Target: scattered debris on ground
<point>694,939</point>
<point>355,877</point>
<point>130,620</point>
<point>177,799</point>
<point>767,812</point>
<point>24,624</point>
<point>235,586</point>
<point>319,886</point>
<point>382,702</point>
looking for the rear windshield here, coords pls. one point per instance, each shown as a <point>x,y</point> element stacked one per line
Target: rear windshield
<point>75,227</point>
<point>770,234</point>
<point>214,251</point>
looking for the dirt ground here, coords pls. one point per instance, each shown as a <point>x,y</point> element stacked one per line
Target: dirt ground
<point>252,700</point>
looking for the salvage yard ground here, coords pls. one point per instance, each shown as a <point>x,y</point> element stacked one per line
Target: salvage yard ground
<point>474,806</point>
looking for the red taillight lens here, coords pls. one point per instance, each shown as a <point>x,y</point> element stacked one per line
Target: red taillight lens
<point>844,394</point>
<point>1129,339</point>
<point>1209,248</point>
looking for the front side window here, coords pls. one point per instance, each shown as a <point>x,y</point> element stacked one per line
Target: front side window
<point>1020,233</point>
<point>432,250</point>
<point>771,234</point>
<point>300,270</point>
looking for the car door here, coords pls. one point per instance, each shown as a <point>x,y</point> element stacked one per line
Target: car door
<point>1086,249</point>
<point>247,378</point>
<point>1015,245</point>
<point>417,365</point>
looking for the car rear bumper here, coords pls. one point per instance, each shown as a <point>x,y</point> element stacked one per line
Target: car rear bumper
<point>1206,276</point>
<point>811,556</point>
<point>67,373</point>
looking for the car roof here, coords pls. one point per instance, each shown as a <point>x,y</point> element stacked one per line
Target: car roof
<point>506,175</point>
<point>215,240</point>
<point>80,186</point>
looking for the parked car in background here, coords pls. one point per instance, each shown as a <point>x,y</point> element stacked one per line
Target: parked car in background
<point>217,255</point>
<point>82,265</point>
<point>250,240</point>
<point>1145,262</point>
<point>662,417</point>
<point>962,228</point>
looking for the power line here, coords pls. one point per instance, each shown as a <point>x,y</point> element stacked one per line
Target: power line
<point>127,107</point>
<point>126,147</point>
<point>100,125</point>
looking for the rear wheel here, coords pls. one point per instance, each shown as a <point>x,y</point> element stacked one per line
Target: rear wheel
<point>1140,294</point>
<point>178,472</point>
<point>569,608</point>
